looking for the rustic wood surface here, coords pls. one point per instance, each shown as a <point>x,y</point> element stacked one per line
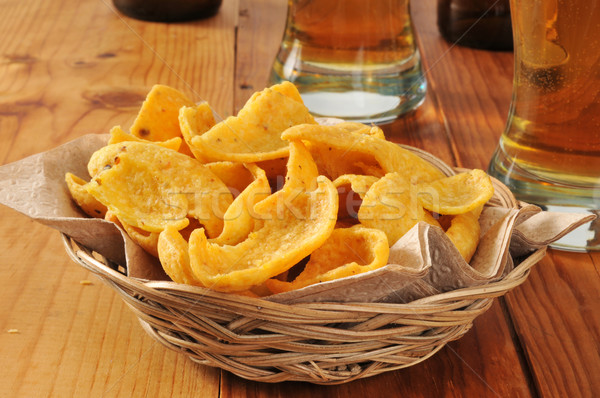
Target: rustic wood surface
<point>69,68</point>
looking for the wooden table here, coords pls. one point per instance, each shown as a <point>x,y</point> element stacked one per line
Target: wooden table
<point>69,67</point>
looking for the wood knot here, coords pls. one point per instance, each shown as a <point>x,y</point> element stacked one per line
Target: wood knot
<point>106,55</point>
<point>20,59</point>
<point>112,97</point>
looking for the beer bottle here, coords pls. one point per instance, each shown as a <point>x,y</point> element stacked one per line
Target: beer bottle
<point>168,11</point>
<point>483,24</point>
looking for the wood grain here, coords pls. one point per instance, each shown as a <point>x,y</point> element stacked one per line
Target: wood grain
<point>69,68</point>
<point>72,339</point>
<point>558,298</point>
<point>473,88</point>
<point>556,316</point>
<point>261,26</point>
<point>75,68</point>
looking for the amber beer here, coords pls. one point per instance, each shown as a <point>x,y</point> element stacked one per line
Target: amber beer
<point>334,33</point>
<point>354,53</point>
<point>549,153</point>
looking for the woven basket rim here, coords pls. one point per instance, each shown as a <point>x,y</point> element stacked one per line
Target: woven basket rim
<point>98,265</point>
<point>424,326</point>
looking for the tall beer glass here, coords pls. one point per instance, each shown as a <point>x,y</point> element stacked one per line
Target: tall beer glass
<point>549,153</point>
<point>352,59</point>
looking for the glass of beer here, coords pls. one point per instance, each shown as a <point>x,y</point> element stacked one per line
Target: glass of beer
<point>549,153</point>
<point>352,59</point>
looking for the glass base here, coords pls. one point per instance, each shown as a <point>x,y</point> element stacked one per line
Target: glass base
<point>368,97</point>
<point>553,197</point>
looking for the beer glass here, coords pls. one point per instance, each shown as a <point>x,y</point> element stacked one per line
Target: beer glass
<point>352,59</point>
<point>549,153</point>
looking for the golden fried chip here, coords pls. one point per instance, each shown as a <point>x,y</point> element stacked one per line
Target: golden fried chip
<point>235,175</point>
<point>367,149</point>
<point>285,88</point>
<point>335,162</point>
<point>357,183</point>
<point>118,135</point>
<point>109,216</point>
<point>360,128</point>
<point>302,171</point>
<point>158,119</point>
<point>457,194</point>
<point>289,90</point>
<point>239,218</point>
<point>275,169</point>
<point>369,168</point>
<point>194,121</point>
<point>293,223</point>
<point>391,205</point>
<point>254,134</point>
<point>102,158</point>
<point>464,232</point>
<point>376,132</point>
<point>354,127</point>
<point>82,197</point>
<point>146,240</point>
<point>150,187</point>
<point>430,219</point>
<point>347,251</point>
<point>350,186</point>
<point>174,256</point>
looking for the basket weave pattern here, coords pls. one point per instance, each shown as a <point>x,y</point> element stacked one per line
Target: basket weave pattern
<point>323,343</point>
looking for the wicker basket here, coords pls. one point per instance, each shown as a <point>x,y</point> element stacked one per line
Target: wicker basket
<point>323,343</point>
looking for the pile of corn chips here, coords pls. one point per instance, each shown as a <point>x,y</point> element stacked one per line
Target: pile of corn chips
<point>269,200</point>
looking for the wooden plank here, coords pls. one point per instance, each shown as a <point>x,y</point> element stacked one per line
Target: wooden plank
<point>74,339</point>
<point>66,79</point>
<point>557,319</point>
<point>476,119</point>
<point>424,128</point>
<point>68,69</point>
<point>261,26</point>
